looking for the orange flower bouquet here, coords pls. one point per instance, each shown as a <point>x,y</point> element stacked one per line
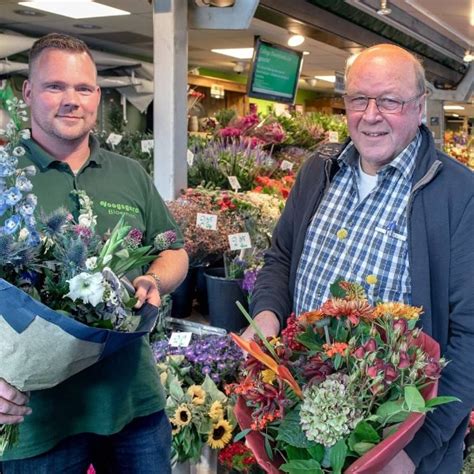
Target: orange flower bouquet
<point>344,388</point>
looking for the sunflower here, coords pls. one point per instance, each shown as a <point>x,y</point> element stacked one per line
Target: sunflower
<point>220,434</point>
<point>216,412</point>
<point>197,394</point>
<point>182,415</point>
<point>175,428</point>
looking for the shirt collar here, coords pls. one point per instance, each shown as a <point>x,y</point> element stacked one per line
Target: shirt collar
<point>44,160</point>
<point>404,162</point>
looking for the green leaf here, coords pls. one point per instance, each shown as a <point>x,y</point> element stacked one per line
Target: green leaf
<point>389,409</point>
<point>316,452</point>
<point>309,466</point>
<point>310,339</point>
<point>293,453</point>
<point>413,399</point>
<point>242,434</point>
<point>211,389</point>
<point>336,290</point>
<point>365,432</point>
<point>337,456</point>
<point>440,401</point>
<point>362,447</point>
<point>290,431</point>
<point>337,361</point>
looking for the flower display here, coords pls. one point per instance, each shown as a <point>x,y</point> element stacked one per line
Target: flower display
<point>194,378</point>
<point>323,393</point>
<point>237,457</point>
<point>460,146</point>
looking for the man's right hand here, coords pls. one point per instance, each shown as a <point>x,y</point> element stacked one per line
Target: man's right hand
<point>267,322</point>
<point>12,404</point>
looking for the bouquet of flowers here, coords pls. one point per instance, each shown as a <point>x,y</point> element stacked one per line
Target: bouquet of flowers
<point>63,302</point>
<point>237,457</point>
<point>194,377</point>
<point>336,384</point>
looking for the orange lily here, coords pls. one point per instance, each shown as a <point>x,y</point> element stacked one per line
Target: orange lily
<point>256,351</point>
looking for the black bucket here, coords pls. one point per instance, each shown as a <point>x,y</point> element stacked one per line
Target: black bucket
<point>222,293</point>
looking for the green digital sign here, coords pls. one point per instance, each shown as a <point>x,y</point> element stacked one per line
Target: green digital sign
<point>275,72</point>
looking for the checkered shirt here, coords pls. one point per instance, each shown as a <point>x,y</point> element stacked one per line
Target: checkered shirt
<point>354,239</point>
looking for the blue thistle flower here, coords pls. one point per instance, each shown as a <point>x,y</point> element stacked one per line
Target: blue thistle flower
<point>76,254</point>
<point>54,223</point>
<point>6,248</point>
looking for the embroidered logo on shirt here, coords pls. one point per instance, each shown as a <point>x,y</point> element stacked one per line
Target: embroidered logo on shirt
<point>117,208</point>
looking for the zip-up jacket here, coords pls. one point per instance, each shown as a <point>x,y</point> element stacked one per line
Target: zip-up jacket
<point>441,259</point>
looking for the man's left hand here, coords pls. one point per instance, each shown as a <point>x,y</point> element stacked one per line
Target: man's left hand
<point>400,464</point>
<point>146,291</point>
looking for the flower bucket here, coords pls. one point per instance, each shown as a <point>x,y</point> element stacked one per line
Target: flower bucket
<point>222,294</point>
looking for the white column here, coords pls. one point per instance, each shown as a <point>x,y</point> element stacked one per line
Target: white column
<point>170,57</point>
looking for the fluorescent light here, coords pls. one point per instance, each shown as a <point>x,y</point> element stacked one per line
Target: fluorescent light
<point>455,115</point>
<point>326,78</point>
<point>306,53</point>
<point>75,8</point>
<point>295,40</point>
<point>453,107</point>
<point>239,53</point>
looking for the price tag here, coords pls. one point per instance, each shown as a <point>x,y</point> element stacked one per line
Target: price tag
<point>333,137</point>
<point>114,139</point>
<point>180,339</point>
<point>190,157</point>
<point>239,241</point>
<point>234,183</point>
<point>147,146</point>
<point>206,221</point>
<point>286,165</point>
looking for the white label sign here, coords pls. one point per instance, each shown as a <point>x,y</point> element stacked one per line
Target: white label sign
<point>147,146</point>
<point>333,137</point>
<point>206,221</point>
<point>234,183</point>
<point>286,165</point>
<point>180,339</point>
<point>114,139</point>
<point>190,157</point>
<point>239,241</point>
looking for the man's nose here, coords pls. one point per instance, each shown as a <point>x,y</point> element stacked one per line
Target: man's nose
<point>70,97</point>
<point>372,111</point>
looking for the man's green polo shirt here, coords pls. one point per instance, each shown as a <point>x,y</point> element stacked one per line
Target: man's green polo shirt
<point>105,397</point>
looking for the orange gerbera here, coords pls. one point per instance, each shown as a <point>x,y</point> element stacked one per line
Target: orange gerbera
<point>336,348</point>
<point>354,310</point>
<point>398,310</point>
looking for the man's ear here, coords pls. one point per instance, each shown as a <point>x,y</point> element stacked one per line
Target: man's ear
<point>27,92</point>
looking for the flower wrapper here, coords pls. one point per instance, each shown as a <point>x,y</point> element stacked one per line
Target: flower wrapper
<point>40,348</point>
<point>374,460</point>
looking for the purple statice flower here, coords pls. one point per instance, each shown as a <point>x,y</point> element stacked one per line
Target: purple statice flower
<point>133,239</point>
<point>250,277</point>
<point>164,240</point>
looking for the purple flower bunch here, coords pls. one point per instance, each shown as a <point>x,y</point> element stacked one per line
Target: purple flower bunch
<point>164,240</point>
<point>216,356</point>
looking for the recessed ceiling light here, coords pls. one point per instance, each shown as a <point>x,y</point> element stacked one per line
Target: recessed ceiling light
<point>326,78</point>
<point>305,53</point>
<point>453,107</point>
<point>384,9</point>
<point>295,40</point>
<point>28,13</point>
<point>239,53</point>
<point>87,26</point>
<point>75,8</point>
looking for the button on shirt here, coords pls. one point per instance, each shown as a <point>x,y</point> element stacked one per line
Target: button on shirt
<point>354,238</point>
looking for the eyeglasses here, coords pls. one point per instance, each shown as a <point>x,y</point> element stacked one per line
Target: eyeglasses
<point>385,105</point>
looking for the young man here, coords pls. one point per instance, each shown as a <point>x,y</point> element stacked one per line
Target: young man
<point>407,211</point>
<point>112,413</point>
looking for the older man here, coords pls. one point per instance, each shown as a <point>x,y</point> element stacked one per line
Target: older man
<point>112,413</point>
<point>407,213</point>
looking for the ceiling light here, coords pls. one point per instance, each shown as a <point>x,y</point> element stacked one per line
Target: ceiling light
<point>455,115</point>
<point>239,53</point>
<point>469,56</point>
<point>306,53</point>
<point>28,12</point>
<point>295,40</point>
<point>453,107</point>
<point>311,81</point>
<point>75,8</point>
<point>326,78</point>
<point>384,9</point>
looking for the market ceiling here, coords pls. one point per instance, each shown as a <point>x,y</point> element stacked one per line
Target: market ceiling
<point>334,30</point>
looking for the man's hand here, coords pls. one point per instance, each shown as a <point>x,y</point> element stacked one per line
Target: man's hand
<point>267,322</point>
<point>12,404</point>
<point>400,464</point>
<point>146,291</point>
